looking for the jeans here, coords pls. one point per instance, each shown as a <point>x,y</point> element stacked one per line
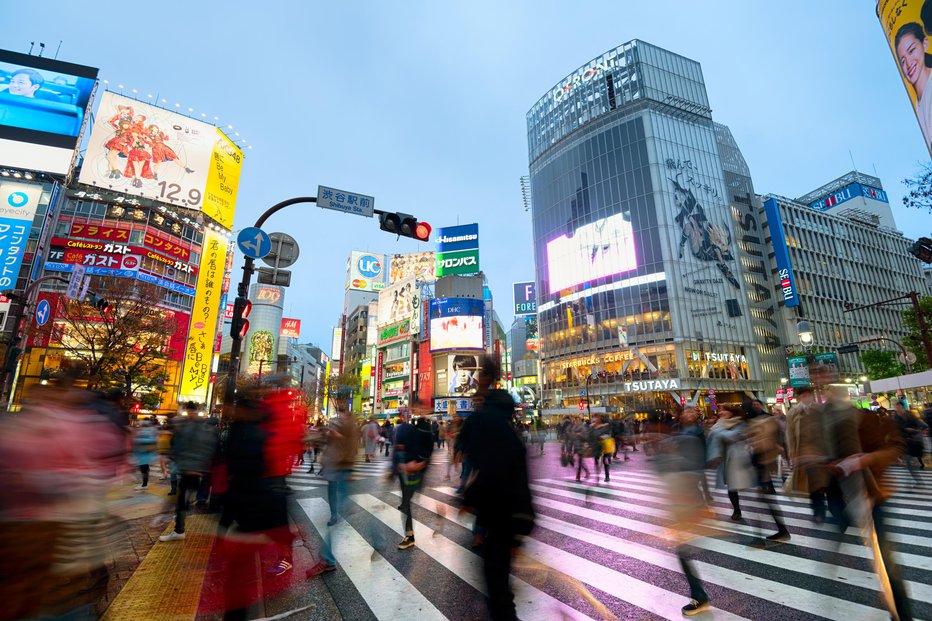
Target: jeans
<point>144,470</point>
<point>185,482</point>
<point>695,585</point>
<point>410,483</point>
<point>900,600</point>
<point>336,496</point>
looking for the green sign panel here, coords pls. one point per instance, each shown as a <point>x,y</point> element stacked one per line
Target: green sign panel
<point>799,371</point>
<point>460,262</point>
<point>395,331</point>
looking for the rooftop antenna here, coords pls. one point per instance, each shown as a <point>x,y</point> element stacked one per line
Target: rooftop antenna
<point>853,165</point>
<point>41,49</point>
<point>58,49</point>
<point>32,44</point>
<point>526,191</point>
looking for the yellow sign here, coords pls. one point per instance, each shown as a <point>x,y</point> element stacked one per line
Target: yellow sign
<point>226,161</point>
<point>195,375</point>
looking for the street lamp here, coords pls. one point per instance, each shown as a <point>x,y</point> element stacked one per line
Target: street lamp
<point>804,329</point>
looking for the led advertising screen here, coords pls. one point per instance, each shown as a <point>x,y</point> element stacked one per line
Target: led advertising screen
<point>43,103</point>
<point>18,204</point>
<point>144,150</point>
<point>400,301</point>
<point>456,324</point>
<point>365,271</point>
<point>603,248</point>
<point>907,26</point>
<point>417,265</point>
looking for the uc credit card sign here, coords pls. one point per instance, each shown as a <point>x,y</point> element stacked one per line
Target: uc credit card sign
<point>457,250</point>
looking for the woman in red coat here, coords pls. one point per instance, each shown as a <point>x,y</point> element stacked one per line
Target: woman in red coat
<point>161,152</point>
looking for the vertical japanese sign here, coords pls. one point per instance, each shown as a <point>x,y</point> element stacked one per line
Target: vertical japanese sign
<point>195,375</point>
<point>18,203</point>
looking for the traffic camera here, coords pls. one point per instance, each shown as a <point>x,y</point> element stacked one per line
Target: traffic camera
<point>240,325</point>
<point>404,225</point>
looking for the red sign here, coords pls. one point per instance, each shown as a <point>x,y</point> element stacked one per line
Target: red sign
<point>163,243</point>
<point>94,231</point>
<point>425,373</point>
<point>228,312</point>
<point>378,377</point>
<point>291,328</point>
<point>175,251</point>
<point>582,406</point>
<point>779,395</point>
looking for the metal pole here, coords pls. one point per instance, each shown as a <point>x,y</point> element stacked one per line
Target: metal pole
<point>236,347</point>
<point>588,398</point>
<point>923,329</point>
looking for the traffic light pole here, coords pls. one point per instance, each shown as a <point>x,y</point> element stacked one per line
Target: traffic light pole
<point>249,265</point>
<point>920,320</point>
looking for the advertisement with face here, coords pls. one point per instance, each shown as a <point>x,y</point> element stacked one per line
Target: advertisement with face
<point>399,301</point>
<point>461,371</point>
<point>147,151</point>
<point>602,248</point>
<point>365,271</point>
<point>907,26</point>
<point>43,103</point>
<point>417,265</point>
<point>456,324</point>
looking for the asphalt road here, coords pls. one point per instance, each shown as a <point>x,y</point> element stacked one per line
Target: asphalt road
<point>597,548</point>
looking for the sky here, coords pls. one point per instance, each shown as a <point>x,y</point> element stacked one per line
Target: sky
<point>422,104</point>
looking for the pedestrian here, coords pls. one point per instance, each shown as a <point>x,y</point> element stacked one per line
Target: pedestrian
<point>728,453</point>
<point>911,428</point>
<point>606,444</point>
<point>370,436</point>
<point>414,444</point>
<point>163,447</point>
<point>499,493</point>
<point>454,457</point>
<point>582,448</point>
<point>764,442</point>
<point>145,438</point>
<point>194,445</point>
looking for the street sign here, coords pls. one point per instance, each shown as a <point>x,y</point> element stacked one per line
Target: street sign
<point>584,393</point>
<point>74,283</point>
<point>284,251</point>
<point>43,312</point>
<point>271,276</point>
<point>908,358</point>
<point>347,202</point>
<point>851,348</point>
<point>254,242</point>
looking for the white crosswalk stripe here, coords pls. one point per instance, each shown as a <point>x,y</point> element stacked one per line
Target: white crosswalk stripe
<point>616,539</point>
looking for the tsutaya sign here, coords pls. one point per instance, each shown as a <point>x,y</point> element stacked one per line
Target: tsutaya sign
<point>711,356</point>
<point>652,385</point>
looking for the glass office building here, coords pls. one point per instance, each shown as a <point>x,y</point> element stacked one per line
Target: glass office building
<point>642,300</point>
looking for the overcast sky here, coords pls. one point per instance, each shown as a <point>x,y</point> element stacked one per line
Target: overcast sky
<point>422,104</point>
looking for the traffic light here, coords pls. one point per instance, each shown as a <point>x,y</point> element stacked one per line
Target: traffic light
<point>13,352</point>
<point>240,325</point>
<point>922,249</point>
<point>101,304</point>
<point>404,225</point>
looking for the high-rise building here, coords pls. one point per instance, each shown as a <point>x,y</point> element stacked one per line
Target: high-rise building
<point>642,300</point>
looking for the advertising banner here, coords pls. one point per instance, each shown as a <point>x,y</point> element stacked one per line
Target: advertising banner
<point>907,24</point>
<point>168,244</point>
<point>456,324</point>
<point>66,250</point>
<point>799,371</point>
<point>781,254</point>
<point>158,154</point>
<point>461,374</point>
<point>453,406</point>
<point>18,203</point>
<point>824,368</point>
<point>43,103</point>
<point>195,374</point>
<point>603,248</point>
<point>366,271</point>
<point>399,301</point>
<point>417,265</point>
<point>457,250</point>
<point>525,298</point>
<point>291,328</point>
<point>395,332</point>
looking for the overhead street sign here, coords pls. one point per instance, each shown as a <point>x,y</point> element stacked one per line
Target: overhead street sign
<point>254,242</point>
<point>43,312</point>
<point>284,251</point>
<point>347,202</point>
<point>851,348</point>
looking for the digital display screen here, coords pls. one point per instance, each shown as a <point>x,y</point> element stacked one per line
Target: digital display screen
<point>602,248</point>
<point>450,333</point>
<point>43,103</point>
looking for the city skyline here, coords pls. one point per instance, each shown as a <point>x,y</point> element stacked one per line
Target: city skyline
<point>428,116</point>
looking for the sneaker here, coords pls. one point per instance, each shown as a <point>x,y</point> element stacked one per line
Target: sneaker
<point>141,488</point>
<point>780,535</point>
<point>332,521</point>
<point>407,542</point>
<point>172,536</point>
<point>280,568</point>
<point>320,568</point>
<point>695,607</point>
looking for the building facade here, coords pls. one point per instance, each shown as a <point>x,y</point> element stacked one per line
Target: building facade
<point>642,305</point>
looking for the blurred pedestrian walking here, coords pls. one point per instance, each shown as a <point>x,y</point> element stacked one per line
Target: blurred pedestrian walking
<point>145,438</point>
<point>414,444</point>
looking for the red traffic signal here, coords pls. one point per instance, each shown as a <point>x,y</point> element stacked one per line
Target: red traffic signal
<point>239,326</point>
<point>404,225</point>
<point>422,231</point>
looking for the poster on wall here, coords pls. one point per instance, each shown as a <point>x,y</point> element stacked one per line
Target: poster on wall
<point>366,271</point>
<point>907,27</point>
<point>602,248</point>
<point>43,104</point>
<point>462,370</point>
<point>400,301</point>
<point>147,151</point>
<point>417,265</point>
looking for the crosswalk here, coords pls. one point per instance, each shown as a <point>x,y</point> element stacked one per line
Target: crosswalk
<point>609,549</point>
<point>301,480</point>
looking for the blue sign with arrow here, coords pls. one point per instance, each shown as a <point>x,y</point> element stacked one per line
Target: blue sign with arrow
<point>254,242</point>
<point>43,312</point>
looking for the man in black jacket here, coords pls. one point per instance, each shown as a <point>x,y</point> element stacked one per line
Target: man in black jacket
<point>498,491</point>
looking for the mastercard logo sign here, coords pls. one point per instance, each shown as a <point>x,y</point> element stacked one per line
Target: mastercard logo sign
<point>359,283</point>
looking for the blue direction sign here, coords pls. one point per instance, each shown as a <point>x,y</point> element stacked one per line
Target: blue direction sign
<point>254,242</point>
<point>43,312</point>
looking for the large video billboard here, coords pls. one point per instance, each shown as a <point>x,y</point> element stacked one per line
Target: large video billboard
<point>399,301</point>
<point>43,103</point>
<point>365,271</point>
<point>457,250</point>
<point>907,26</point>
<point>417,265</point>
<point>602,248</point>
<point>456,324</point>
<point>144,150</point>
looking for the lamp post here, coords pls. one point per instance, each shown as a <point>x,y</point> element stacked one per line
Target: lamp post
<point>588,398</point>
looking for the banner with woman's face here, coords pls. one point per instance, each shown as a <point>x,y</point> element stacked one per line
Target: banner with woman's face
<point>907,26</point>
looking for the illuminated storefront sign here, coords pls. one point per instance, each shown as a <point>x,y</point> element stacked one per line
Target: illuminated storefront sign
<point>395,332</point>
<point>652,385</point>
<point>710,356</point>
<point>18,204</point>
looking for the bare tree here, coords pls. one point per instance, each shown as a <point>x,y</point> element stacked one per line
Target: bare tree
<point>920,189</point>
